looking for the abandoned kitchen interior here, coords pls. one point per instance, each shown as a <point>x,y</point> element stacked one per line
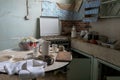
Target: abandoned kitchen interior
<point>59,39</point>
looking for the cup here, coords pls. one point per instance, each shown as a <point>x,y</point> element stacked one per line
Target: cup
<point>54,47</point>
<point>61,48</point>
<point>48,59</point>
<point>35,51</point>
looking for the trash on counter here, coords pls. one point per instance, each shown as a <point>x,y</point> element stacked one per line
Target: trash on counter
<point>117,45</point>
<point>103,38</point>
<point>83,33</point>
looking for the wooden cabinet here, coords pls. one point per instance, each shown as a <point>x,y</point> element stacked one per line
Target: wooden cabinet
<point>113,78</point>
<point>105,62</point>
<point>80,67</point>
<point>107,71</point>
<point>91,10</point>
<point>88,67</point>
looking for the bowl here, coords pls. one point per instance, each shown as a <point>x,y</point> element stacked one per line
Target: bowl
<point>27,45</point>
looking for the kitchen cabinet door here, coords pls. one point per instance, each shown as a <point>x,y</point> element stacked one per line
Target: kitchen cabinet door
<point>79,69</point>
<point>113,78</point>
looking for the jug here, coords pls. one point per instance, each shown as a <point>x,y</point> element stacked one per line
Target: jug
<point>73,32</point>
<point>45,48</point>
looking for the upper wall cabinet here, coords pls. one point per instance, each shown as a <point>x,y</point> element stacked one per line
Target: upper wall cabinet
<point>91,10</point>
<point>85,10</point>
<point>64,11</point>
<point>110,8</point>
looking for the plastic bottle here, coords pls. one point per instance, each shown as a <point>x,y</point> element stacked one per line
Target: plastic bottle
<point>73,32</point>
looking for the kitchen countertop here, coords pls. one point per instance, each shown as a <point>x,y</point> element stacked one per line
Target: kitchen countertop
<point>106,54</point>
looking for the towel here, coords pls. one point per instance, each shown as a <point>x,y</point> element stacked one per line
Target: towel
<point>24,74</point>
<point>2,64</point>
<point>13,67</point>
<point>36,68</point>
<point>39,63</point>
<point>33,68</point>
<point>10,68</point>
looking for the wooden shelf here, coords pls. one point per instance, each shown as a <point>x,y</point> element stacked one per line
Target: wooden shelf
<point>91,11</point>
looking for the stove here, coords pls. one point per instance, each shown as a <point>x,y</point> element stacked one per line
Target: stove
<point>60,40</point>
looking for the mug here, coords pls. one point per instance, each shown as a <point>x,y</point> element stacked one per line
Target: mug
<point>61,48</point>
<point>54,47</point>
<point>48,59</point>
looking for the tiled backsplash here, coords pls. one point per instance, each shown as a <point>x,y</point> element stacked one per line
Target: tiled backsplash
<point>68,24</point>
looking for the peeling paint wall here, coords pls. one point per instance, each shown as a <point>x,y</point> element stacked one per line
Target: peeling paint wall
<point>109,27</point>
<point>63,1</point>
<point>13,26</point>
<point>52,9</point>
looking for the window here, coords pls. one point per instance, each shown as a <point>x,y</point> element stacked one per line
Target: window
<point>109,8</point>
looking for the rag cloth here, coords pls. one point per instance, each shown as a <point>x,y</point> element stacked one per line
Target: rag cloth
<point>26,68</point>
